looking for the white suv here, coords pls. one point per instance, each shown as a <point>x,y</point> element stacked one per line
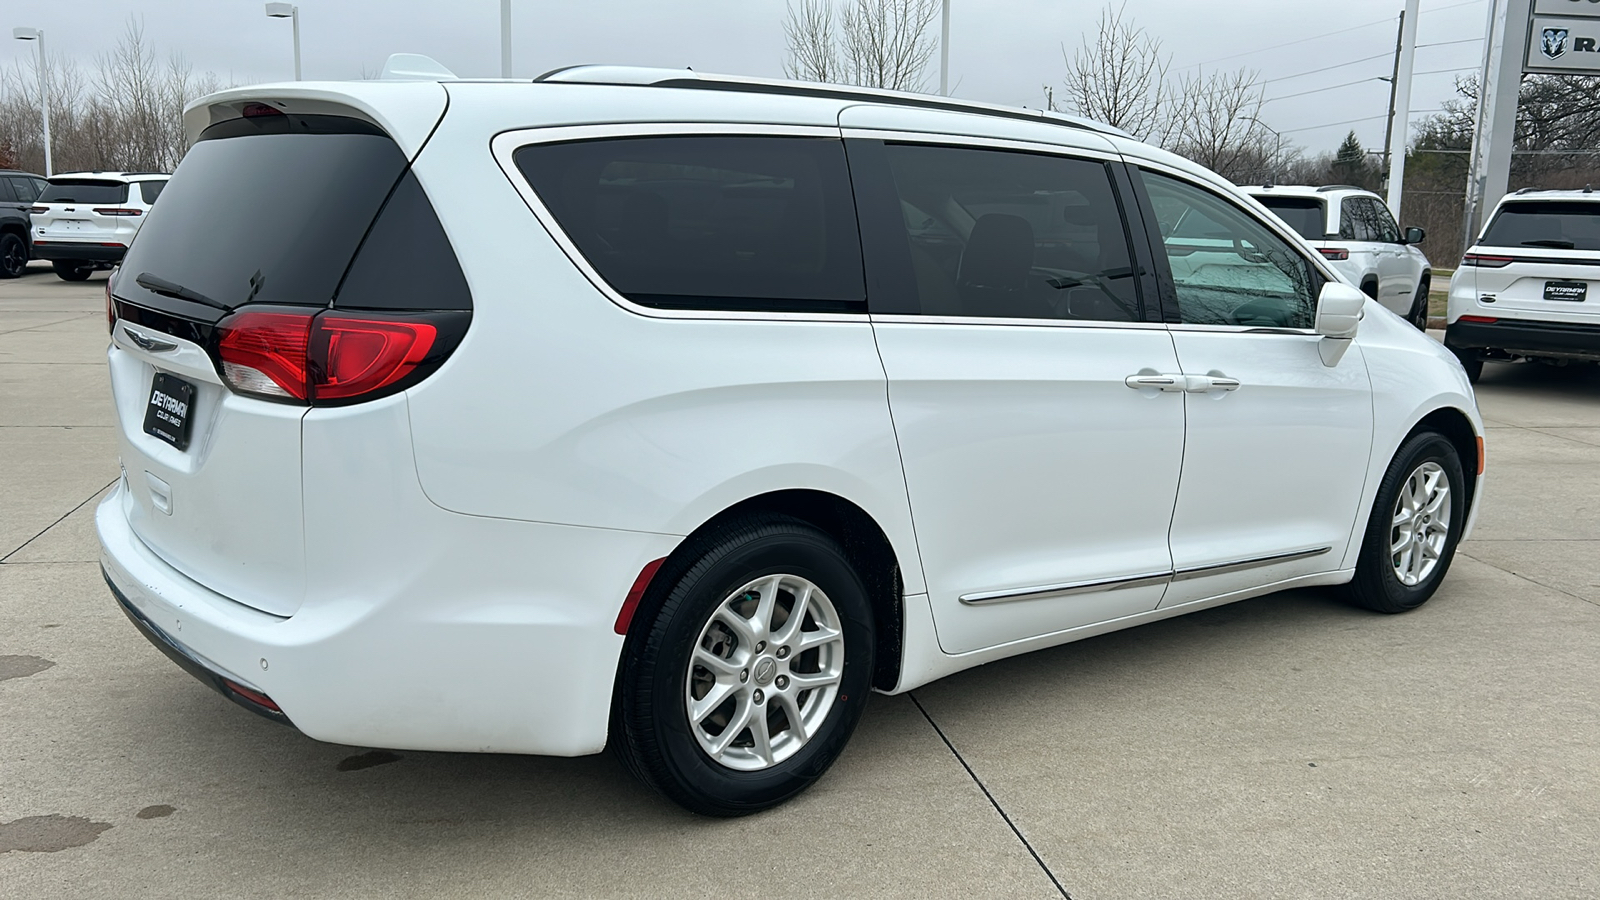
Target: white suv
<point>86,220</point>
<point>680,413</point>
<point>1353,229</point>
<point>1530,287</point>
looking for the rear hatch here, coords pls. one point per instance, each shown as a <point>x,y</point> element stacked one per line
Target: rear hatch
<point>1541,258</point>
<point>260,222</point>
<point>84,210</point>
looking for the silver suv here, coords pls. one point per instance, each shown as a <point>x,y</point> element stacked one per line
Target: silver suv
<point>1353,229</point>
<point>1530,287</point>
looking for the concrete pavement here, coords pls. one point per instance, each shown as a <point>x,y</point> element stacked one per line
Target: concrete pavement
<point>1282,747</point>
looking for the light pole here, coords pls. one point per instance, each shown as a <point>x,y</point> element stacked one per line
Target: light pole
<point>37,34</point>
<point>1277,154</point>
<point>291,12</point>
<point>505,38</point>
<point>944,50</point>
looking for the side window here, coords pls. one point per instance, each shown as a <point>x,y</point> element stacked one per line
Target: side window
<point>150,190</point>
<point>24,188</point>
<point>1012,235</point>
<point>741,223</point>
<point>1387,230</point>
<point>1355,222</point>
<point>1228,268</point>
<point>7,195</point>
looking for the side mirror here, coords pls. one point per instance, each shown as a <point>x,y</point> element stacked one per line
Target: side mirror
<point>1338,315</point>
<point>1414,235</point>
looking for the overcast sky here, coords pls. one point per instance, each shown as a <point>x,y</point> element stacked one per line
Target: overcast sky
<point>1001,51</point>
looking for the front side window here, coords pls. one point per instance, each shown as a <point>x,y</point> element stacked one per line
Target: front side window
<point>1012,235</point>
<point>1388,231</point>
<point>1227,268</point>
<point>1561,225</point>
<point>741,223</point>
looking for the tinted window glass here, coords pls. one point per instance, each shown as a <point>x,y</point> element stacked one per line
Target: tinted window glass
<point>406,261</point>
<point>1387,230</point>
<point>1355,221</point>
<point>1535,223</point>
<point>1016,235</point>
<point>268,210</point>
<point>760,223</point>
<point>7,193</point>
<point>1228,268</point>
<point>1307,216</point>
<point>27,189</point>
<point>150,190</point>
<point>84,190</point>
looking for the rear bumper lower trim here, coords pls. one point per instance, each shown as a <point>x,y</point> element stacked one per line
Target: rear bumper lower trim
<point>1526,338</point>
<point>66,251</point>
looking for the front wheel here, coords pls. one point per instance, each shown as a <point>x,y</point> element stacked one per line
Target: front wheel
<point>1419,308</point>
<point>72,271</point>
<point>743,686</point>
<point>13,255</point>
<point>1414,527</point>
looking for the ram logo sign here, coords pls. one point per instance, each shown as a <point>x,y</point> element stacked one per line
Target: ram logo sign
<point>1566,46</point>
<point>1553,41</point>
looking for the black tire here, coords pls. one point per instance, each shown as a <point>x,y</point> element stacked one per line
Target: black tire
<point>1419,308</point>
<point>651,727</point>
<point>72,271</point>
<point>1377,586</point>
<point>13,255</point>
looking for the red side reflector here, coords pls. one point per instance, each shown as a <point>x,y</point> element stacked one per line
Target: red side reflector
<point>635,594</point>
<point>1483,319</point>
<point>255,697</point>
<point>1486,261</point>
<point>111,244</point>
<point>352,356</point>
<point>1336,253</point>
<point>1481,459</point>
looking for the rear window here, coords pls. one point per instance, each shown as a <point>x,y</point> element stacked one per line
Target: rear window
<point>85,190</point>
<point>272,209</point>
<point>748,223</point>
<point>1556,225</point>
<point>1305,215</point>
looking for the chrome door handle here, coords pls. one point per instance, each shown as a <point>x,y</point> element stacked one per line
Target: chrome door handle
<point>1204,384</point>
<point>1156,382</point>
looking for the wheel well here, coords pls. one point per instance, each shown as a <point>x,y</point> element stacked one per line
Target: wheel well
<point>1457,428</point>
<point>864,543</point>
<point>13,228</point>
<point>1369,286</point>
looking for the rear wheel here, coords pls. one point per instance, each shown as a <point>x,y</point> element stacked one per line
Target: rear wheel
<point>13,255</point>
<point>72,271</point>
<point>1414,527</point>
<point>745,683</point>
<point>1419,308</point>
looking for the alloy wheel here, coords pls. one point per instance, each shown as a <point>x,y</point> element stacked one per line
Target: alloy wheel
<point>1420,527</point>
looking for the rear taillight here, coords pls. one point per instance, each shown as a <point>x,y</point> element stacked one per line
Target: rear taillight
<point>329,357</point>
<point>1486,261</point>
<point>1482,320</point>
<point>1334,253</point>
<point>111,306</point>
<point>117,211</point>
<point>38,209</point>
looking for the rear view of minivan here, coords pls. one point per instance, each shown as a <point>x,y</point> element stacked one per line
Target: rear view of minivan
<point>677,413</point>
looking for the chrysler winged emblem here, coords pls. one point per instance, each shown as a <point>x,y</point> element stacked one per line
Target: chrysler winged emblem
<point>1553,42</point>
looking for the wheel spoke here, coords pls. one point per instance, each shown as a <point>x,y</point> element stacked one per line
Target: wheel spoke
<point>741,720</point>
<point>759,734</point>
<point>716,664</point>
<point>705,706</point>
<point>823,635</point>
<point>791,711</point>
<point>810,681</point>
<point>739,625</point>
<point>797,616</point>
<point>766,602</point>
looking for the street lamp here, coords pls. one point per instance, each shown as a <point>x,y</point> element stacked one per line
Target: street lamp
<point>505,38</point>
<point>292,12</point>
<point>1277,154</point>
<point>37,34</point>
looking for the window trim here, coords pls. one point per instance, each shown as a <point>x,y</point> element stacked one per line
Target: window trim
<point>503,148</point>
<point>1289,236</point>
<point>868,147</point>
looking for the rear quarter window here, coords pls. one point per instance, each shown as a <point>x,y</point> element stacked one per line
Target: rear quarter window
<point>737,223</point>
<point>1571,225</point>
<point>83,190</point>
<point>150,190</point>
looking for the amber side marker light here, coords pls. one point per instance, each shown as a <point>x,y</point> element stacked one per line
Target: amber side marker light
<point>1481,460</point>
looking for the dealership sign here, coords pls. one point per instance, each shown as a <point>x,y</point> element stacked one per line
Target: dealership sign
<point>1564,38</point>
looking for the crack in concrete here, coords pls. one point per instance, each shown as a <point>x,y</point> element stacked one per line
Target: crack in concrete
<point>17,549</point>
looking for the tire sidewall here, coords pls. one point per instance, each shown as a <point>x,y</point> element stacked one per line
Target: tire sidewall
<point>793,550</point>
<point>1392,593</point>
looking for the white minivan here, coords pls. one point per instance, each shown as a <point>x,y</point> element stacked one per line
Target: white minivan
<point>679,412</point>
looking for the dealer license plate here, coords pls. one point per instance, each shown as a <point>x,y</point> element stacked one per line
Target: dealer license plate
<point>171,410</point>
<point>1568,291</point>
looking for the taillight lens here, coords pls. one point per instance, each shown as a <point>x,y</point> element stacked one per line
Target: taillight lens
<point>111,306</point>
<point>1334,253</point>
<point>1486,261</point>
<point>1483,320</point>
<point>38,209</point>
<point>117,211</point>
<point>328,357</point>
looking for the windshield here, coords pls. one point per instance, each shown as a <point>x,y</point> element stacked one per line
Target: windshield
<point>82,190</point>
<point>1543,223</point>
<point>1304,214</point>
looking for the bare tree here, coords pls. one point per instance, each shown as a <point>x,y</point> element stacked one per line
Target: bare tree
<point>1214,122</point>
<point>1119,78</point>
<point>877,43</point>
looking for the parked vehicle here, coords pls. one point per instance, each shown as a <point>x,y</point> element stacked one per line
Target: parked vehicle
<point>678,412</point>
<point>85,220</point>
<point>1529,288</point>
<point>17,193</point>
<point>1353,229</point>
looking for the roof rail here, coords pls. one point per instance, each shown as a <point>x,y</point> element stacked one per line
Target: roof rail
<point>1340,187</point>
<point>688,78</point>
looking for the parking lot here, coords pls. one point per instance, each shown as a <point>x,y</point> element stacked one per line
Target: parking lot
<point>1287,746</point>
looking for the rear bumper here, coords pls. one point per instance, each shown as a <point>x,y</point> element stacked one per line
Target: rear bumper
<point>1515,337</point>
<point>77,251</point>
